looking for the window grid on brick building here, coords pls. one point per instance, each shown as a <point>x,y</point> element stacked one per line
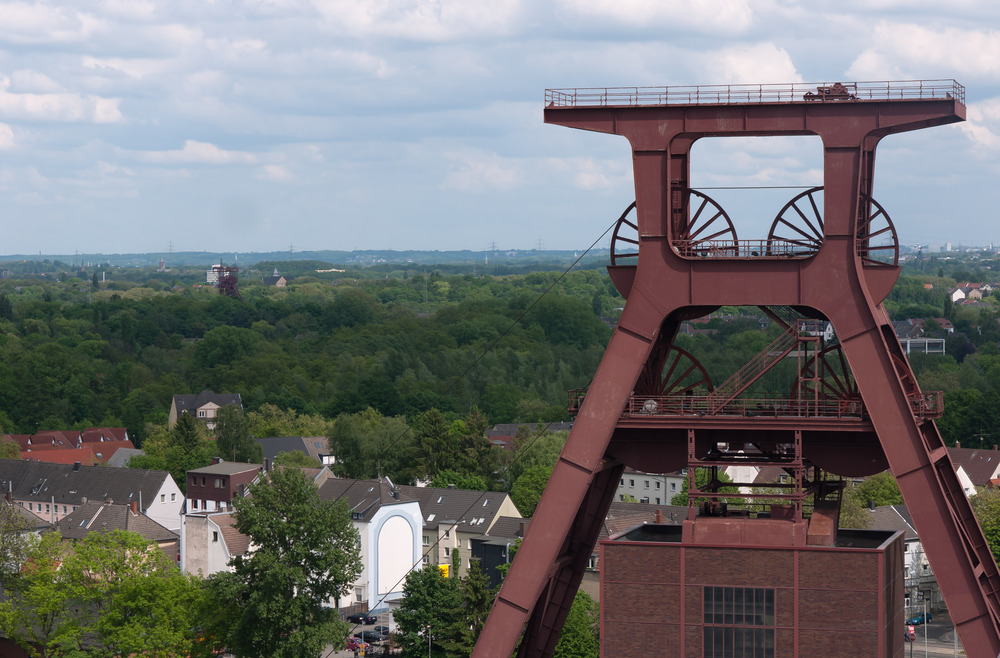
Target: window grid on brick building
<point>739,622</point>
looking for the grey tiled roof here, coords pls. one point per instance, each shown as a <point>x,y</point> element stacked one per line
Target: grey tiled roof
<point>473,511</point>
<point>894,517</point>
<point>509,526</point>
<point>122,455</point>
<point>226,468</point>
<point>364,497</point>
<point>188,402</point>
<point>69,485</point>
<point>274,445</point>
<point>101,516</point>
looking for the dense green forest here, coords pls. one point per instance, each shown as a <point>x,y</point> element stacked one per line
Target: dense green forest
<point>112,346</point>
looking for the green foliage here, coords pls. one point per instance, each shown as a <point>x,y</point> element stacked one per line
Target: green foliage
<point>528,489</point>
<point>702,478</point>
<point>986,507</point>
<point>880,489</point>
<point>297,459</point>
<point>308,552</point>
<point>580,637</point>
<point>232,437</point>
<point>115,591</point>
<point>429,599</point>
<point>459,480</point>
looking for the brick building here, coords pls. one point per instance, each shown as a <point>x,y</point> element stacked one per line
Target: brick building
<point>738,601</point>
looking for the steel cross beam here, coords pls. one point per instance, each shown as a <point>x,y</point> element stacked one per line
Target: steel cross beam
<point>835,282</point>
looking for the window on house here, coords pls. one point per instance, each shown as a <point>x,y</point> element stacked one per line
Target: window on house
<point>447,533</point>
<point>47,507</point>
<point>173,497</point>
<point>592,562</point>
<point>657,501</point>
<point>215,535</point>
<point>163,498</point>
<point>447,552</point>
<point>631,483</point>
<point>427,540</point>
<point>203,480</point>
<point>194,504</point>
<point>623,482</point>
<point>646,484</point>
<point>201,414</point>
<point>673,486</point>
<point>621,497</point>
<point>218,483</point>
<point>427,559</point>
<point>739,621</point>
<point>359,594</point>
<point>29,507</point>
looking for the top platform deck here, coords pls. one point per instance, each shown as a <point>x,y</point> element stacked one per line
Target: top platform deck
<point>757,94</point>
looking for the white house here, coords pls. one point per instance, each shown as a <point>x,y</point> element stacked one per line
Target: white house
<point>389,524</point>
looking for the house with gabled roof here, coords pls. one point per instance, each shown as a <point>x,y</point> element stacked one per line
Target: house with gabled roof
<point>52,491</point>
<point>317,447</point>
<point>452,518</point>
<point>920,584</point>
<point>96,516</point>
<point>389,522</point>
<point>204,406</point>
<point>975,467</point>
<point>210,542</point>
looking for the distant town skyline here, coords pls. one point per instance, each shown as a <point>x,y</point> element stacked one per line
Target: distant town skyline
<point>131,127</point>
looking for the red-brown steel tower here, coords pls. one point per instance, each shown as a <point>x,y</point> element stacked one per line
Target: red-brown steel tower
<point>831,255</point>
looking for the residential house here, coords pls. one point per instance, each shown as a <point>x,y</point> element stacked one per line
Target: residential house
<point>95,516</point>
<point>503,434</point>
<point>649,488</point>
<point>389,522</point>
<point>277,280</point>
<point>317,447</point>
<point>975,467</point>
<point>919,581</point>
<point>52,491</point>
<point>453,518</point>
<point>204,406</point>
<point>212,488</point>
<point>209,542</point>
<point>494,547</point>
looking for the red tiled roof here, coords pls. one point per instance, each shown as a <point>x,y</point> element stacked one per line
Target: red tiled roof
<point>62,456</point>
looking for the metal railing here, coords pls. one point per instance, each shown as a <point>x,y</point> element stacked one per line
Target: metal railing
<point>899,90</point>
<point>925,406</point>
<point>743,249</point>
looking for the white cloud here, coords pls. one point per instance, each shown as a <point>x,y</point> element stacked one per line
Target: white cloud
<point>762,62</point>
<point>478,172</point>
<point>903,49</point>
<point>982,126</point>
<point>723,16</point>
<point>37,23</point>
<point>6,136</point>
<point>421,20</point>
<point>200,152</point>
<point>58,107</point>
<point>133,68</point>
<point>276,173</point>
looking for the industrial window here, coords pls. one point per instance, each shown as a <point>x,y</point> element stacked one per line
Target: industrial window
<point>739,622</point>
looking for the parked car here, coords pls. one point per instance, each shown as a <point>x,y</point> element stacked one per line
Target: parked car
<point>384,630</point>
<point>362,618</point>
<point>370,636</point>
<point>920,618</point>
<point>354,644</point>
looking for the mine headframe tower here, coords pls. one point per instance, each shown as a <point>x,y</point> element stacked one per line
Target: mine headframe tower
<point>228,277</point>
<point>831,256</point>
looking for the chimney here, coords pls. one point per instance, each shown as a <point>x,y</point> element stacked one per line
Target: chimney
<point>659,516</point>
<point>871,504</point>
<point>216,460</point>
<point>76,466</point>
<point>451,486</point>
<point>267,465</point>
<point>958,444</point>
<point>135,507</point>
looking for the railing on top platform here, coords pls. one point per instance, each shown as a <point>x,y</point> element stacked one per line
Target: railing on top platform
<point>924,405</point>
<point>822,92</point>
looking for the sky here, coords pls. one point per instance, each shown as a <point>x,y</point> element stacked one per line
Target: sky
<point>261,125</point>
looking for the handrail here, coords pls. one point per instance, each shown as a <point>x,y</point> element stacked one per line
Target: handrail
<point>796,92</point>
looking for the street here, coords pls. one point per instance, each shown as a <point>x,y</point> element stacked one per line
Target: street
<point>940,639</point>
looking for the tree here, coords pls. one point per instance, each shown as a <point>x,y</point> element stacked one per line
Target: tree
<point>476,599</point>
<point>701,477</point>
<point>36,610</point>
<point>580,637</point>
<point>986,507</point>
<point>132,599</point>
<point>460,480</point>
<point>296,459</point>
<point>232,437</point>
<point>9,449</point>
<point>429,599</point>
<point>308,554</point>
<point>528,489</point>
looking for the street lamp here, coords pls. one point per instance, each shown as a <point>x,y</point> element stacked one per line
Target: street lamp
<point>428,641</point>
